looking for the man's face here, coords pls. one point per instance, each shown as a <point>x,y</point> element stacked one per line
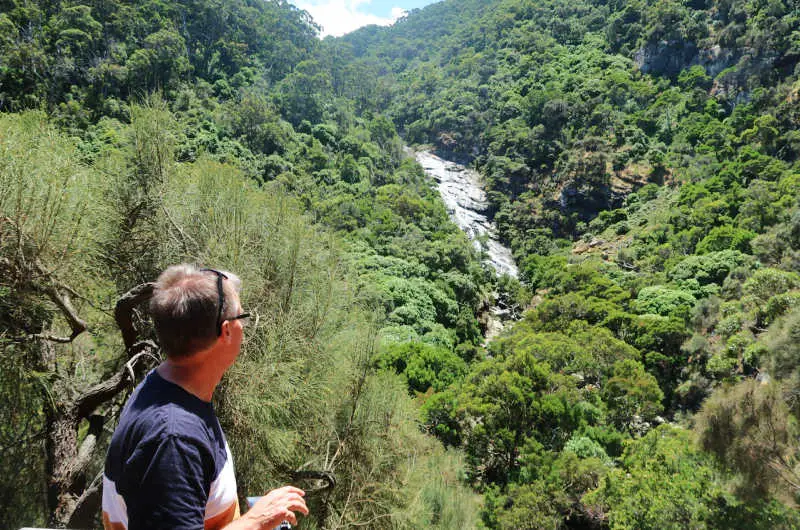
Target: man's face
<point>236,326</point>
<point>230,340</point>
<point>240,323</point>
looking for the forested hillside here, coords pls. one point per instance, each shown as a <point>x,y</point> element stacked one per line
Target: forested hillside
<point>140,134</point>
<point>641,158</point>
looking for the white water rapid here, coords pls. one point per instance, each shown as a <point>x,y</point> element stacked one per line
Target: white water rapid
<point>466,203</point>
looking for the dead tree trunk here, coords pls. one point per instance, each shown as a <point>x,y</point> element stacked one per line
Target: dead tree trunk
<point>73,495</point>
<point>73,487</point>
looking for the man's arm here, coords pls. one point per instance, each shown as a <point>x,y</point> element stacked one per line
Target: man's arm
<point>272,509</point>
<point>173,492</point>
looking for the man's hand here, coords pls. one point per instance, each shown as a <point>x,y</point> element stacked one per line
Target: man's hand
<point>277,506</point>
<point>272,509</point>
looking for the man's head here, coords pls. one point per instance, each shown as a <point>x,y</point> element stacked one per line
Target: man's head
<point>189,310</point>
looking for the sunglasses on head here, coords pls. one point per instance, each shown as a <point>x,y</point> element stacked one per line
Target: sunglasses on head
<point>221,301</point>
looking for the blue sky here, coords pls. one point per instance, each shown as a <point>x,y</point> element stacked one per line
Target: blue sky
<point>338,17</point>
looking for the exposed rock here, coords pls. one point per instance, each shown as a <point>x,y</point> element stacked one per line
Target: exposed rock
<point>666,57</point>
<point>494,327</point>
<point>467,205</point>
<point>670,57</point>
<point>716,59</point>
<point>733,84</point>
<point>582,247</point>
<point>731,70</point>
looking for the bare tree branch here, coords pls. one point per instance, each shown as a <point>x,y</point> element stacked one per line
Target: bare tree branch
<point>47,337</point>
<point>76,323</point>
<point>184,238</point>
<point>123,311</point>
<point>69,459</point>
<point>64,287</point>
<point>35,275</point>
<point>102,392</point>
<point>87,506</point>
<point>89,444</point>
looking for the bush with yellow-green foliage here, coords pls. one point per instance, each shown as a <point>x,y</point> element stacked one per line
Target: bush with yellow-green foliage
<point>303,394</point>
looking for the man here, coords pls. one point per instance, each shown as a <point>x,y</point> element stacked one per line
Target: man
<point>169,465</point>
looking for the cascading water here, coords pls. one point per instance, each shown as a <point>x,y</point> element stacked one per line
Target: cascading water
<point>466,203</point>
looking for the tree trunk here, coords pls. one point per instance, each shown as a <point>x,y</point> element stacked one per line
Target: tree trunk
<point>73,499</point>
<point>62,449</point>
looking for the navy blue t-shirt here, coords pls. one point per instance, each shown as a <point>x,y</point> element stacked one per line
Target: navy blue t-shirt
<point>168,465</point>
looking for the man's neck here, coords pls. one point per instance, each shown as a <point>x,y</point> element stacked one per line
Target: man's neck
<point>198,375</point>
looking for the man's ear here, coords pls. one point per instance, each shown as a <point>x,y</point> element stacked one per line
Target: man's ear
<point>226,331</point>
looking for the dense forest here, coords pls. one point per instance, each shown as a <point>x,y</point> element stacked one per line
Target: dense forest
<point>137,135</point>
<point>640,159</point>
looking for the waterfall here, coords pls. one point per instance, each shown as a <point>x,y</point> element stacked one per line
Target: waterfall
<point>466,203</point>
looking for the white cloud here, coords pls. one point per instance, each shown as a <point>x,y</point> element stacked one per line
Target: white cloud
<point>338,17</point>
<point>398,12</point>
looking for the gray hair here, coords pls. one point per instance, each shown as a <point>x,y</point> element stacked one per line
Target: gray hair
<point>184,308</point>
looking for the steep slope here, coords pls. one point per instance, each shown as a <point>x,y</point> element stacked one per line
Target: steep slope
<point>208,132</point>
<point>642,161</point>
<point>640,158</point>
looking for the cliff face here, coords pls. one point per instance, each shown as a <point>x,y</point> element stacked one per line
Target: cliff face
<point>735,83</point>
<point>733,70</point>
<point>666,57</point>
<point>669,58</point>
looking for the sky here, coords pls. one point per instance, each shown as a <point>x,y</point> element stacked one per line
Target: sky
<point>338,17</point>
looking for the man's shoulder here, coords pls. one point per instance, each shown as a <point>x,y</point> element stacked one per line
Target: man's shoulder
<point>166,419</point>
<point>158,409</point>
